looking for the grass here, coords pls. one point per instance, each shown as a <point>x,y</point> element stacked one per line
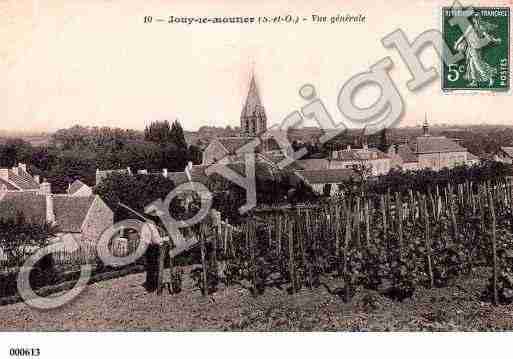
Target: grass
<point>123,305</point>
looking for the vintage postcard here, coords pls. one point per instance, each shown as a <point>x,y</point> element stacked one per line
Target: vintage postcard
<point>254,166</point>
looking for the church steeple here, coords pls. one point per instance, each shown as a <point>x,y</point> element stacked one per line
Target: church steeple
<point>253,120</point>
<point>425,127</point>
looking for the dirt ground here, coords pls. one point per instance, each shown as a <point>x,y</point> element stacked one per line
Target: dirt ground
<point>122,304</point>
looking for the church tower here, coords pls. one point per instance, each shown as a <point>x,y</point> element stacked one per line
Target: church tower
<point>253,120</point>
<point>425,127</point>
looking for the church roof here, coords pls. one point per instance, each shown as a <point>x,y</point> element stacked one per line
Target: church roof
<point>432,144</point>
<point>253,103</point>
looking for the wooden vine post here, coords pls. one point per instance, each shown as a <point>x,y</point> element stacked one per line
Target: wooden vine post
<point>399,214</point>
<point>347,238</point>
<point>302,244</point>
<point>252,248</point>
<point>163,251</point>
<point>203,249</point>
<point>225,246</point>
<point>494,245</point>
<point>357,222</point>
<point>279,235</point>
<point>215,237</point>
<point>292,264</point>
<point>427,240</point>
<point>452,213</point>
<point>367,222</point>
<point>384,216</point>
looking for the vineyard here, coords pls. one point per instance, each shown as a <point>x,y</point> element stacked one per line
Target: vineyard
<point>392,243</point>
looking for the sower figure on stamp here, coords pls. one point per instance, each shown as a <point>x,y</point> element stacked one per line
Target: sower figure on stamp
<point>471,44</point>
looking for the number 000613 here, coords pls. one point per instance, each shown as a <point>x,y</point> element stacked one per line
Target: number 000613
<point>24,352</point>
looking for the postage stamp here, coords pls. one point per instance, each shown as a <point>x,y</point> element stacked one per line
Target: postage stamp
<point>483,42</point>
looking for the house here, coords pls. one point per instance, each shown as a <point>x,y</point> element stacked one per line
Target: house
<point>224,149</point>
<point>433,152</point>
<point>504,154</point>
<point>403,157</point>
<point>375,161</point>
<point>327,181</point>
<point>18,178</point>
<point>83,217</point>
<point>79,189</point>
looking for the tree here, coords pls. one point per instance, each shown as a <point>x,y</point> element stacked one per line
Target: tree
<point>72,165</point>
<point>158,132</point>
<point>177,135</point>
<point>135,191</point>
<point>14,151</point>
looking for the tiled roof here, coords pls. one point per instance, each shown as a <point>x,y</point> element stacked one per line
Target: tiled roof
<point>327,176</point>
<point>313,164</point>
<point>263,169</point>
<point>70,212</point>
<point>19,179</point>
<point>406,154</point>
<point>76,186</point>
<point>197,175</point>
<point>277,158</point>
<point>31,204</point>
<point>431,144</point>
<point>23,180</point>
<point>8,186</point>
<point>508,151</point>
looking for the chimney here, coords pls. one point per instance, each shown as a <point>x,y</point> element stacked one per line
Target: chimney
<point>45,188</point>
<point>15,170</point>
<point>164,172</point>
<point>37,179</point>
<point>23,167</point>
<point>348,148</point>
<point>50,213</point>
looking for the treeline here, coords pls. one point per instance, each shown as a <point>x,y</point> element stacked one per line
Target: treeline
<point>77,152</point>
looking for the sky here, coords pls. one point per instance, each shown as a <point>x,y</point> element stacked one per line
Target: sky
<point>96,63</point>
